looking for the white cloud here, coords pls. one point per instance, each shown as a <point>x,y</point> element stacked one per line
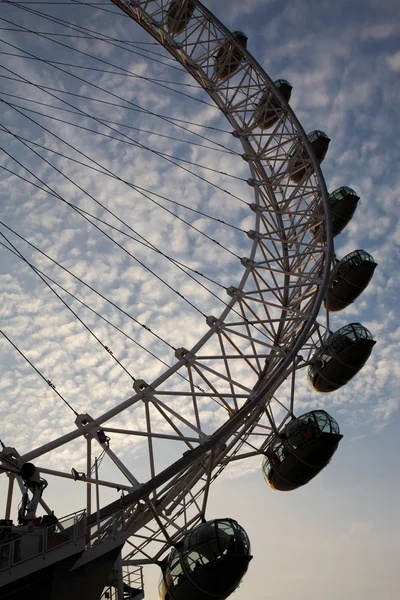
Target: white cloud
<point>394,61</point>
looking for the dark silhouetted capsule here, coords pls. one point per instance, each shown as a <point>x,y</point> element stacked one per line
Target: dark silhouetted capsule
<point>269,109</point>
<point>301,163</point>
<point>349,278</point>
<point>179,13</point>
<point>345,353</point>
<point>343,203</point>
<point>230,56</point>
<point>209,563</point>
<point>301,451</point>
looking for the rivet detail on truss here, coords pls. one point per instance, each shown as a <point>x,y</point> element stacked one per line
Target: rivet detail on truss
<point>214,322</point>
<point>188,356</point>
<point>233,292</point>
<point>254,235</point>
<point>140,385</point>
<point>247,262</point>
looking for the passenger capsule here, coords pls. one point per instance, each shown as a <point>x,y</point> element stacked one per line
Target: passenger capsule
<point>179,13</point>
<point>304,448</point>
<point>269,109</point>
<point>343,203</point>
<point>209,564</point>
<point>320,143</point>
<point>229,56</point>
<point>344,354</point>
<point>348,280</point>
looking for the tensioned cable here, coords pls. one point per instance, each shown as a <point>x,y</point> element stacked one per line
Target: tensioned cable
<point>85,37</point>
<point>76,297</point>
<point>147,131</point>
<point>49,383</point>
<point>96,35</point>
<point>96,58</point>
<point>78,210</point>
<point>99,229</point>
<point>113,214</point>
<point>115,176</point>
<point>124,74</point>
<point>91,288</point>
<point>152,151</point>
<point>146,244</point>
<point>215,399</point>
<point>73,26</point>
<point>182,266</point>
<point>65,304</point>
<point>134,108</point>
<point>130,141</point>
<point>113,304</point>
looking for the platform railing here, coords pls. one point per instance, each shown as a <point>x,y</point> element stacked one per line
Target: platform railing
<point>42,540</point>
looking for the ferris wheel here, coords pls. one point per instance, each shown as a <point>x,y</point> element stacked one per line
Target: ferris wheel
<point>227,392</point>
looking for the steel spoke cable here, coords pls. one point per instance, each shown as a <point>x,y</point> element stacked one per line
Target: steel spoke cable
<point>147,131</point>
<point>141,241</point>
<point>175,290</point>
<point>113,176</point>
<point>154,248</point>
<point>17,254</point>
<point>132,186</point>
<point>49,383</point>
<point>130,141</point>
<point>96,35</point>
<point>43,279</point>
<point>113,214</point>
<point>164,62</point>
<point>125,72</point>
<point>178,264</point>
<point>138,241</point>
<point>106,234</point>
<point>143,146</point>
<point>91,288</point>
<point>100,36</point>
<point>83,37</point>
<point>134,108</point>
<point>102,296</point>
<point>261,331</point>
<point>82,302</point>
<point>23,29</point>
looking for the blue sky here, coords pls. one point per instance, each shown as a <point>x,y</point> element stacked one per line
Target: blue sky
<point>338,536</point>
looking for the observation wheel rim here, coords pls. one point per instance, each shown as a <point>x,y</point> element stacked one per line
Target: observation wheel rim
<point>255,401</point>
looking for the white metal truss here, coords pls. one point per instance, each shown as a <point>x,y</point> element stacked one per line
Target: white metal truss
<point>252,348</point>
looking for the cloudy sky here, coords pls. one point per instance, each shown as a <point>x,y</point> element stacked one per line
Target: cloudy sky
<point>338,536</point>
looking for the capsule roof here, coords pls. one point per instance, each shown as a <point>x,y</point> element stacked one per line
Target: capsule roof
<point>240,37</point>
<point>357,255</point>
<point>342,192</point>
<point>282,83</point>
<point>316,135</point>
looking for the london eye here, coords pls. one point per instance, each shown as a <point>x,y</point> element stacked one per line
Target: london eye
<point>168,237</point>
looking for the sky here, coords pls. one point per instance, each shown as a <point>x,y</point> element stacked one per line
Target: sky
<point>337,536</point>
